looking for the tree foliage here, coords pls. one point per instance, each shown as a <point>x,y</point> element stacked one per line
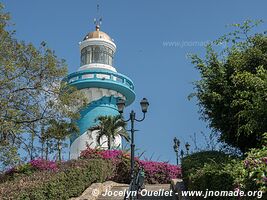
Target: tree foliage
<point>31,90</point>
<point>232,91</point>
<point>59,130</point>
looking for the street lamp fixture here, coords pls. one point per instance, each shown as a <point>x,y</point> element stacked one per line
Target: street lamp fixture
<point>176,149</point>
<point>187,147</point>
<point>144,106</point>
<point>176,144</point>
<point>121,105</point>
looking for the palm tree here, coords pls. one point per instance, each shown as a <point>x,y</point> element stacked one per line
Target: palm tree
<point>59,130</point>
<point>110,126</point>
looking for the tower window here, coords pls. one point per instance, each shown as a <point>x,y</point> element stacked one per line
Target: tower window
<point>96,54</point>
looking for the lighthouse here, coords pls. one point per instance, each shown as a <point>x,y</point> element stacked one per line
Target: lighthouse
<point>102,85</point>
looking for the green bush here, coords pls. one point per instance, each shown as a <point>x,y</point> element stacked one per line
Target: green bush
<point>216,171</point>
<point>214,178</point>
<point>206,170</point>
<point>196,161</point>
<point>72,178</point>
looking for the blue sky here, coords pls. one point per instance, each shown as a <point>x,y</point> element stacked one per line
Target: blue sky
<point>142,31</point>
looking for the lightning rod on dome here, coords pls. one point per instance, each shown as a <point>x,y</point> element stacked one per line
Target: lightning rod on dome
<point>98,19</point>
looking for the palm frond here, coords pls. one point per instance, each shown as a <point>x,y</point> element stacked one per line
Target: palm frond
<point>94,128</point>
<point>123,133</point>
<point>110,126</point>
<point>98,137</point>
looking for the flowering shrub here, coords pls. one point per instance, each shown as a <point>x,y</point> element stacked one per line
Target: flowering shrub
<point>111,154</point>
<point>28,168</point>
<point>70,180</point>
<point>89,153</point>
<point>119,159</point>
<point>160,172</point>
<point>41,164</point>
<point>255,165</point>
<point>156,172</point>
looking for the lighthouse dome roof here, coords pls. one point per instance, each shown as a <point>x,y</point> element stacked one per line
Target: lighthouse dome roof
<point>97,34</point>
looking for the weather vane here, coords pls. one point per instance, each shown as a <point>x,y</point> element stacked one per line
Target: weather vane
<point>98,19</point>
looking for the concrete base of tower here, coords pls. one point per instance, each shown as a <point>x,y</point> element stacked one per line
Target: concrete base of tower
<point>89,139</point>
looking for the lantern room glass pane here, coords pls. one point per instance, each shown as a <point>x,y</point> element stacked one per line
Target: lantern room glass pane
<point>97,54</point>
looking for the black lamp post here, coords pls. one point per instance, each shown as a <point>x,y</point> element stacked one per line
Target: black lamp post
<point>182,154</point>
<point>176,149</point>
<point>144,105</point>
<point>187,146</point>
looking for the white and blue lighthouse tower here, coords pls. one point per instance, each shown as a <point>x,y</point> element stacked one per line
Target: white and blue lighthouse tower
<point>102,85</point>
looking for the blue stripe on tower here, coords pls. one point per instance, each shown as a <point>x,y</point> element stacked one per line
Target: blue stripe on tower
<point>103,106</point>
